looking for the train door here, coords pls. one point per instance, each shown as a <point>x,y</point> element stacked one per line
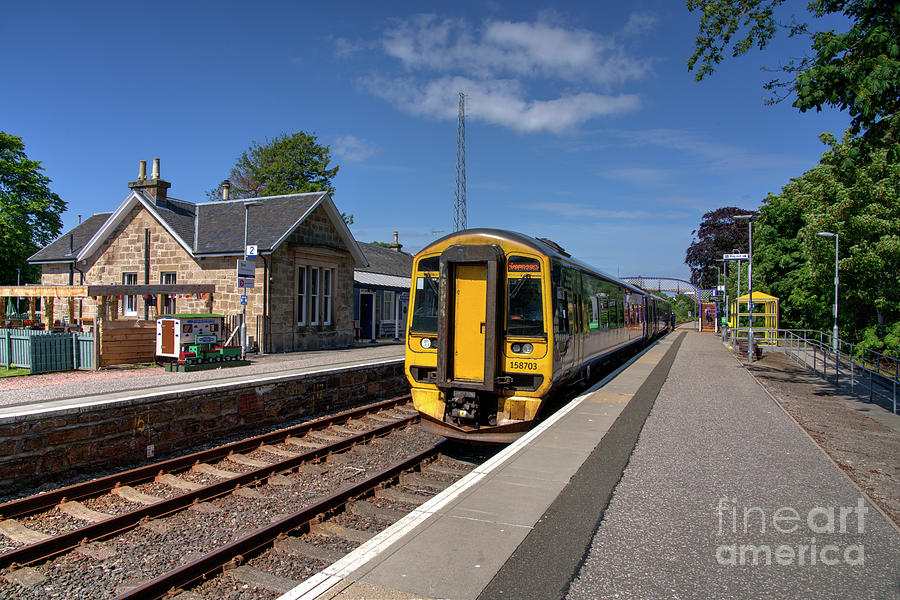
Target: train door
<point>468,325</point>
<point>468,318</point>
<point>578,313</point>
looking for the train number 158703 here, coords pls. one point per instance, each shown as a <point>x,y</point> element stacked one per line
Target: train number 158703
<point>524,365</point>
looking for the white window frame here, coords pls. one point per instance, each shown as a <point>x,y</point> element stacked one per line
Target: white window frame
<point>129,303</point>
<point>301,294</point>
<point>327,292</point>
<point>387,306</point>
<point>168,307</point>
<point>315,291</point>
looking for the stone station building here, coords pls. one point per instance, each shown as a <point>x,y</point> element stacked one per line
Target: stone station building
<point>303,293</point>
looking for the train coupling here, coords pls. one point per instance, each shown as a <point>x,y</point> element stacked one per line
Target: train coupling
<point>464,408</point>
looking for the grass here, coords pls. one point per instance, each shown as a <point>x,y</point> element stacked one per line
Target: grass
<point>14,372</point>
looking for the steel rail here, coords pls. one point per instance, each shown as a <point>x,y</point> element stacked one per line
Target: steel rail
<point>238,549</point>
<point>62,543</point>
<point>33,504</point>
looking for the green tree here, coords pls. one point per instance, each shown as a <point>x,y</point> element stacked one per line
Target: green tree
<point>29,211</point>
<point>288,164</point>
<point>854,191</point>
<point>684,307</point>
<point>857,70</point>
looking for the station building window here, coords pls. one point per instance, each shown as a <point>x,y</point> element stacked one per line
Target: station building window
<point>315,291</point>
<point>168,307</point>
<point>129,303</point>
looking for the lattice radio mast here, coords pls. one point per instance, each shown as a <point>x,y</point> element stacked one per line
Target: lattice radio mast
<point>459,220</point>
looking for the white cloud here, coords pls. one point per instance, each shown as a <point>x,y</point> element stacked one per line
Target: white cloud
<point>499,102</point>
<point>353,148</point>
<point>640,175</point>
<point>716,155</point>
<point>498,65</point>
<point>587,211</point>
<point>505,48</point>
<point>344,48</point>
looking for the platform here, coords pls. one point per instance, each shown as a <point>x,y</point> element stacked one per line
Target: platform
<point>86,388</point>
<point>525,524</point>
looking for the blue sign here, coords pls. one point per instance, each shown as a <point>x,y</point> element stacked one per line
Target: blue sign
<point>244,300</point>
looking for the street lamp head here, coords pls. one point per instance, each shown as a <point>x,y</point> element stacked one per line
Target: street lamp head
<point>252,203</point>
<point>826,234</point>
<point>743,217</point>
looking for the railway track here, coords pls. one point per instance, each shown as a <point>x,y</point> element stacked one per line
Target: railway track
<point>237,546</point>
<point>164,488</point>
<point>245,562</point>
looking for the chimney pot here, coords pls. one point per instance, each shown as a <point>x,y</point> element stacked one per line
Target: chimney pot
<point>396,245</point>
<point>155,173</point>
<point>142,170</point>
<point>226,190</point>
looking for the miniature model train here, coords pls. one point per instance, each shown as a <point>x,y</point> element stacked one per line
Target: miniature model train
<point>499,321</point>
<point>192,339</point>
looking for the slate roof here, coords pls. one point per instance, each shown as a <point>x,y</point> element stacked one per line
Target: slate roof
<point>59,249</point>
<point>208,228</point>
<point>220,226</point>
<point>386,261</point>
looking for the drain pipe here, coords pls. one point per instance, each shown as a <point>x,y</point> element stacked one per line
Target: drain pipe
<point>264,346</point>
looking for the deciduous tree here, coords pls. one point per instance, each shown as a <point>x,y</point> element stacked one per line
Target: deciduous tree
<point>855,194</point>
<point>29,211</point>
<point>289,164</point>
<point>718,233</point>
<point>857,70</point>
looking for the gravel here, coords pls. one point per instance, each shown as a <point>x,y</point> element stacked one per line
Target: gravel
<point>163,544</point>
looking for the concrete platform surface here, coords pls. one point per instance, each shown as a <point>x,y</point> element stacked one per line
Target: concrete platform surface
<point>455,544</point>
<point>726,497</point>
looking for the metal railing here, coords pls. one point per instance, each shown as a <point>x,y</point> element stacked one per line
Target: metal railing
<point>865,372</point>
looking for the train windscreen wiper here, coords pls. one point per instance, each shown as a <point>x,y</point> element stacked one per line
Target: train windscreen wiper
<point>515,291</point>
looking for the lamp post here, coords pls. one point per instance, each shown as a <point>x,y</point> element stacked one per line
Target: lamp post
<point>837,237</point>
<point>749,218</point>
<point>247,206</point>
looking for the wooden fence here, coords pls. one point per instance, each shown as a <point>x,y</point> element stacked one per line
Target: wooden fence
<point>127,342</point>
<point>44,352</point>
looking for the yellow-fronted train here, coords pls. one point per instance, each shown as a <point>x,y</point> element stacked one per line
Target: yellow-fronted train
<point>500,323</point>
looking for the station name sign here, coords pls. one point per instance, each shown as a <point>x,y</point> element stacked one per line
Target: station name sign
<point>736,256</point>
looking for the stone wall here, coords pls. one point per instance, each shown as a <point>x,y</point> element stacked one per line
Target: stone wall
<point>41,447</point>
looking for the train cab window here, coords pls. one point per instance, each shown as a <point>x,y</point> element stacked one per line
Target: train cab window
<point>425,305</point>
<point>432,263</point>
<point>525,307</point>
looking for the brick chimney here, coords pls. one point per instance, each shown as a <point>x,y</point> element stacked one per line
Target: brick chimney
<point>156,187</point>
<point>396,246</point>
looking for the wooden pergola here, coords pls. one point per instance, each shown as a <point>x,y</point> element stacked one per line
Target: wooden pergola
<point>106,296</point>
<point>102,293</point>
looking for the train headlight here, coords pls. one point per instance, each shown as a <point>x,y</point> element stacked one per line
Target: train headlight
<point>426,343</point>
<point>517,348</point>
<point>527,348</point>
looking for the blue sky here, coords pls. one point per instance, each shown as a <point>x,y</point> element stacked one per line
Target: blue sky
<point>583,125</point>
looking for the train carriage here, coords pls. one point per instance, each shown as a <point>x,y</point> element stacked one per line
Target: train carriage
<point>500,321</point>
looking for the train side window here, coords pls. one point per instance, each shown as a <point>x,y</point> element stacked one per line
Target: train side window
<point>425,306</point>
<point>562,310</point>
